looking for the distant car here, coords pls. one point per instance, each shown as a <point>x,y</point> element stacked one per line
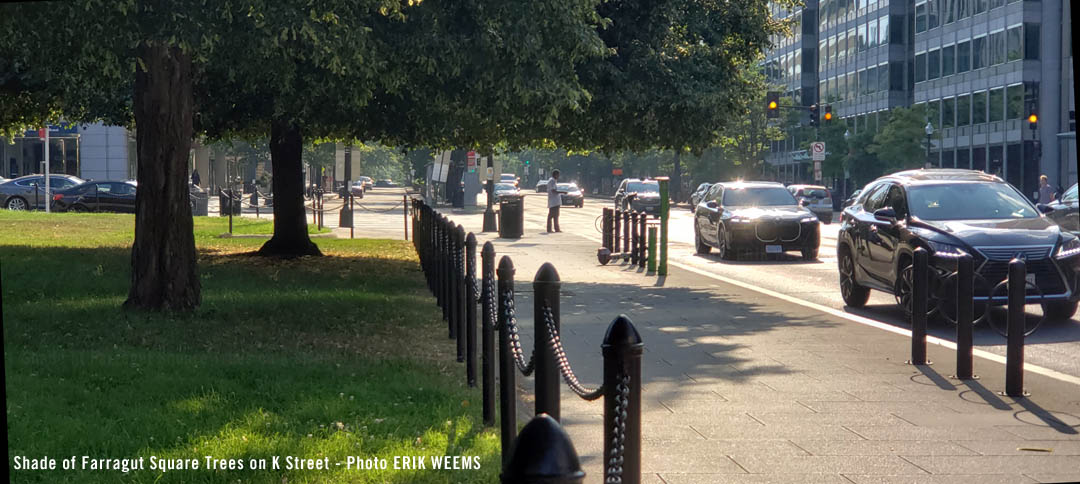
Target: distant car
<point>816,198</point>
<point>368,182</point>
<point>761,217</point>
<point>695,198</point>
<point>638,194</point>
<point>573,195</point>
<point>357,189</point>
<point>385,184</point>
<point>28,192</point>
<point>97,196</point>
<point>509,178</point>
<point>851,199</point>
<point>541,186</point>
<point>1065,212</point>
<point>504,190</point>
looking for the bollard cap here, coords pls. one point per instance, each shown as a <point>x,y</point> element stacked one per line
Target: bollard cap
<point>621,333</point>
<point>506,267</point>
<point>543,452</point>
<point>470,240</point>
<point>489,248</point>
<point>546,274</point>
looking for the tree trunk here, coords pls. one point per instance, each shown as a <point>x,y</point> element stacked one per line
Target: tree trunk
<point>164,275</point>
<point>290,217</point>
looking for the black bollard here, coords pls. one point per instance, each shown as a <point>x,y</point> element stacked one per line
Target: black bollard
<point>507,367</point>
<point>633,238</point>
<point>622,349</point>
<point>457,290</point>
<point>616,231</point>
<point>625,234</point>
<point>487,357</point>
<point>1014,351</point>
<point>470,309</point>
<point>546,293</point>
<point>642,245</point>
<point>965,309</point>
<point>543,454</point>
<point>605,227</point>
<point>919,297</point>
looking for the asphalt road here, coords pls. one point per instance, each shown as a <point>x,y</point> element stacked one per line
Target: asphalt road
<point>1055,345</point>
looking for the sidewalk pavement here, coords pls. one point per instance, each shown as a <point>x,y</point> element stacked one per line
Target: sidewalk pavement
<point>745,388</point>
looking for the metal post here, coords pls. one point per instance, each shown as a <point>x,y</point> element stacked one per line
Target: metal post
<point>665,209</point>
<point>542,454</point>
<point>351,220</point>
<point>616,246</point>
<point>507,368</point>
<point>622,349</point>
<point>1014,351</point>
<point>634,237</point>
<point>606,229</point>
<point>965,302</point>
<point>470,309</point>
<point>641,239</point>
<point>652,249</point>
<point>458,288</point>
<point>546,293</point>
<point>487,357</point>
<point>918,307</point>
<point>405,204</point>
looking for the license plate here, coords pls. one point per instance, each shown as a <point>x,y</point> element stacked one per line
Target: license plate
<point>1030,278</point>
<point>774,249</point>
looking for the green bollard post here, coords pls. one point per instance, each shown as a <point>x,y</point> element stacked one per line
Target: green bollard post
<point>665,206</point>
<point>652,250</point>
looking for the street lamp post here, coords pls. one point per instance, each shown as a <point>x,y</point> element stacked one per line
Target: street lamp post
<point>929,131</point>
<point>847,161</point>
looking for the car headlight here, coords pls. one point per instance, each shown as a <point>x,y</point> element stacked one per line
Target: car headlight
<point>945,250</point>
<point>737,219</point>
<point>808,219</point>
<point>1069,248</point>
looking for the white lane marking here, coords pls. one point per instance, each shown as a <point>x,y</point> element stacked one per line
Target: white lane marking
<point>1057,375</point>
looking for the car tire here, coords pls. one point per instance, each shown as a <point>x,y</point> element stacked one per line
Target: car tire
<point>810,253</point>
<point>700,245</point>
<point>16,203</point>
<point>853,294</point>
<point>723,249</point>
<point>78,208</point>
<point>1060,310</point>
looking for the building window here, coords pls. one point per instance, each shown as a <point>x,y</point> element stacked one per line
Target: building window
<point>978,107</point>
<point>933,64</point>
<point>997,104</point>
<point>1015,38</point>
<point>920,67</point>
<point>920,17</point>
<point>963,110</point>
<point>883,30</point>
<point>1031,41</point>
<point>896,76</point>
<point>883,77</point>
<point>933,14</point>
<point>963,57</point>
<point>997,48</point>
<point>933,113</point>
<point>948,10</point>
<point>948,113</point>
<point>851,44</point>
<point>963,158</point>
<point>948,61</point>
<point>862,37</point>
<point>872,33</point>
<point>979,54</point>
<point>962,9</point>
<point>1015,106</point>
<point>996,3</point>
<point>980,6</point>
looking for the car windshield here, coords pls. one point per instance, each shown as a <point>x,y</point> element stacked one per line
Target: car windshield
<point>504,187</point>
<point>1070,195</point>
<point>757,197</point>
<point>813,192</point>
<point>968,201</point>
<point>643,187</point>
<point>569,187</point>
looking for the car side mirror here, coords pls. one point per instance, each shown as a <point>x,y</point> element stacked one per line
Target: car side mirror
<point>712,205</point>
<point>886,214</point>
<point>1044,208</point>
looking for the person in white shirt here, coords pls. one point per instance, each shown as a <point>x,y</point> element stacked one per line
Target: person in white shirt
<point>554,201</point>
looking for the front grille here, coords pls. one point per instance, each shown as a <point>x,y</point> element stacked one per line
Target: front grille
<point>1047,277</point>
<point>771,230</point>
<point>1028,252</point>
<point>766,231</point>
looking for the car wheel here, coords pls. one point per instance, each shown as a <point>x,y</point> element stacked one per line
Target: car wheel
<point>16,203</point>
<point>722,247</point>
<point>78,207</point>
<point>1060,310</point>
<point>854,295</point>
<point>700,245</point>
<point>903,289</point>
<point>810,253</point>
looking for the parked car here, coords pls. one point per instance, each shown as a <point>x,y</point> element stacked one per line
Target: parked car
<point>851,199</point>
<point>951,212</point>
<point>505,189</point>
<point>385,184</point>
<point>761,217</point>
<point>573,195</point>
<point>368,182</point>
<point>357,189</point>
<point>638,194</point>
<point>28,192</point>
<point>699,193</point>
<point>816,198</point>
<point>1064,211</point>
<point>97,196</point>
<point>509,178</point>
<point>541,186</point>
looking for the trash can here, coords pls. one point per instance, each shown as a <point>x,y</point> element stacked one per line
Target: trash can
<point>511,216</point>
<point>200,202</point>
<point>223,203</point>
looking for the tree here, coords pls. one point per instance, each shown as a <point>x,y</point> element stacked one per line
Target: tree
<point>900,144</point>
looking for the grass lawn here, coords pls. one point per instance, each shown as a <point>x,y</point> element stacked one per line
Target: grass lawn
<point>337,356</point>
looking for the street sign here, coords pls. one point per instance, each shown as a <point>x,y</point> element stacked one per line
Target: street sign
<point>616,171</point>
<point>817,150</point>
<point>472,161</point>
<point>490,173</point>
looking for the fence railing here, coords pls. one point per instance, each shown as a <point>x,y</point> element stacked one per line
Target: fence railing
<point>629,235</point>
<point>543,452</point>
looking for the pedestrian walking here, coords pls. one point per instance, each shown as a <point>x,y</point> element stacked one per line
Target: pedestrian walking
<point>554,201</point>
<point>195,177</point>
<point>1046,192</point>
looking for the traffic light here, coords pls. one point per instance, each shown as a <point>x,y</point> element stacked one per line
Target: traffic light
<point>828,113</point>
<point>814,119</point>
<point>772,104</point>
<point>1033,117</point>
<point>526,162</point>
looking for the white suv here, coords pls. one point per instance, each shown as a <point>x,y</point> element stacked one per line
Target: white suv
<point>816,198</point>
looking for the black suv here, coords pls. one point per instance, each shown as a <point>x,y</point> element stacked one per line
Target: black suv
<point>758,217</point>
<point>639,195</point>
<point>950,212</point>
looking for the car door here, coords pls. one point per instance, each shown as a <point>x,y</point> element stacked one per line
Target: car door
<point>885,246</point>
<point>706,218</point>
<point>864,231</point>
<point>103,199</point>
<point>123,197</point>
<point>1066,211</point>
